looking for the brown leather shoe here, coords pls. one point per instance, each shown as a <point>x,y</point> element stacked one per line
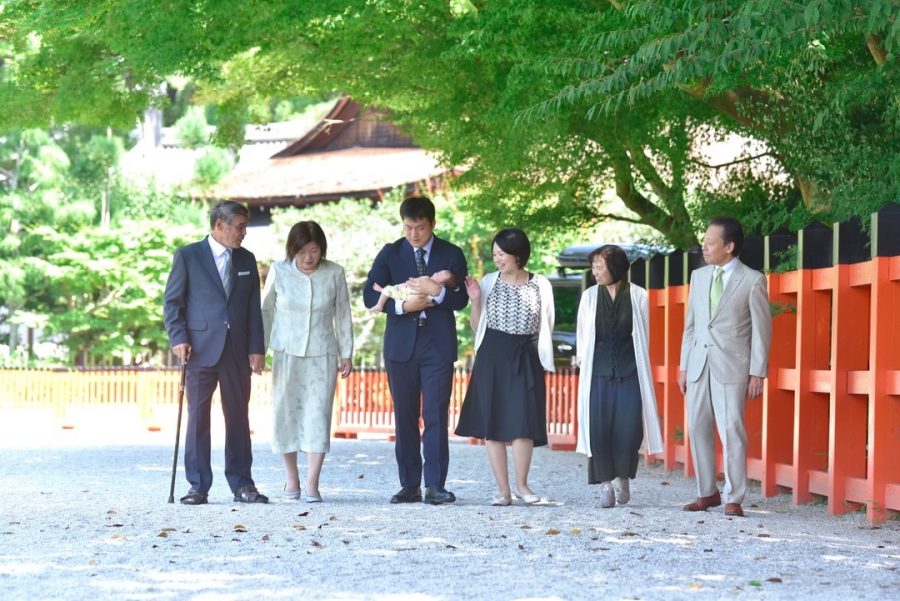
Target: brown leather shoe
<point>734,510</point>
<point>704,503</point>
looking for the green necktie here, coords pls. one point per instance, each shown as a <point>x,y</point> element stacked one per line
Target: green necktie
<point>715,293</point>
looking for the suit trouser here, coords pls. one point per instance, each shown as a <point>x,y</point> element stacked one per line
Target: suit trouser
<point>421,385</point>
<point>711,403</point>
<point>233,378</point>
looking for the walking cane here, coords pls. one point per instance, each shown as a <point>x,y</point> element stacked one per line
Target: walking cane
<point>177,431</point>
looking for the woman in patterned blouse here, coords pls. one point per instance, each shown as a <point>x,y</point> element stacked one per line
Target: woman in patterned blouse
<point>512,315</point>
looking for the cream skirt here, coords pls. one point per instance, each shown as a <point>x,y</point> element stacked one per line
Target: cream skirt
<point>302,400</point>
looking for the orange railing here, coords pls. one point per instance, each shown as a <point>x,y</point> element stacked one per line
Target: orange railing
<point>362,401</point>
<point>828,424</point>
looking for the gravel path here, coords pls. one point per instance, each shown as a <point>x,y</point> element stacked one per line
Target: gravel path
<point>85,517</point>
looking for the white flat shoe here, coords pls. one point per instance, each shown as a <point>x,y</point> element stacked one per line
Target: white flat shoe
<point>293,496</point>
<point>501,501</point>
<point>312,498</point>
<point>529,499</point>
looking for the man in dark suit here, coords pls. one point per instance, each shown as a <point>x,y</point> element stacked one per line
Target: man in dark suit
<point>420,348</point>
<point>214,322</point>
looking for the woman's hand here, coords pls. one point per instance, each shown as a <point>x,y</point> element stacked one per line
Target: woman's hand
<point>346,367</point>
<point>424,285</point>
<point>473,289</point>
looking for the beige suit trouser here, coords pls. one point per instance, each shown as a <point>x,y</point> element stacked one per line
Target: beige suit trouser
<point>711,403</point>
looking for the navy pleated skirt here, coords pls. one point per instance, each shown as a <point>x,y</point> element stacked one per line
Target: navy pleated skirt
<point>507,395</point>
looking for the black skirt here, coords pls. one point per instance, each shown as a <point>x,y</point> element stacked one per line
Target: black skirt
<point>507,395</point>
<point>617,428</point>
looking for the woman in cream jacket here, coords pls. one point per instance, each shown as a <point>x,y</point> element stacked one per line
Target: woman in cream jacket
<point>616,401</point>
<point>306,316</point>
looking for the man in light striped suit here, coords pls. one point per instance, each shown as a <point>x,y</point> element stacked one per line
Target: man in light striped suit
<point>724,360</point>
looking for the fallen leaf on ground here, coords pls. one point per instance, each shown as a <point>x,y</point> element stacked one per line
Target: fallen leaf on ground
<point>552,532</point>
<point>763,535</point>
<point>168,529</point>
<point>775,579</point>
<point>627,533</point>
<point>575,531</point>
<point>755,583</point>
<point>163,534</point>
<point>525,527</point>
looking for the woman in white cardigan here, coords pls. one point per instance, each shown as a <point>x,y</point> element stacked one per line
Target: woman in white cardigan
<point>506,402</point>
<point>306,316</point>
<point>616,402</point>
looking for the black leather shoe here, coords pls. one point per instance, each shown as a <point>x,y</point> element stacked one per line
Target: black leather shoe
<point>249,494</point>
<point>438,496</point>
<point>407,494</point>
<point>193,498</point>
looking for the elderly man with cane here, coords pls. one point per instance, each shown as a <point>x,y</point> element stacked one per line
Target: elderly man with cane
<point>214,322</point>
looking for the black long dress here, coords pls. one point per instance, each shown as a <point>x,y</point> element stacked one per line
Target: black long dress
<point>616,415</point>
<point>507,396</point>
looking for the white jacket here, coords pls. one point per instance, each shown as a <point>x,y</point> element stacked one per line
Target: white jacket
<point>545,334</point>
<point>640,334</point>
<point>307,315</point>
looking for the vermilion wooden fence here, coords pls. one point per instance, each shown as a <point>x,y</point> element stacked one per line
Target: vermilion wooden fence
<point>827,426</point>
<point>362,401</point>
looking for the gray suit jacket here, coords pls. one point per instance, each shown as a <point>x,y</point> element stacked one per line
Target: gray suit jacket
<point>735,339</point>
<point>198,311</point>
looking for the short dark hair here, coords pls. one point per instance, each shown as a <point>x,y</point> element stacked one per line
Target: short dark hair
<point>416,208</point>
<point>617,263</point>
<point>226,210</point>
<point>731,232</point>
<point>514,241</point>
<point>301,234</point>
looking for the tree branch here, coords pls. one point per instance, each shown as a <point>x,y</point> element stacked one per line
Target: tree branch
<point>734,162</point>
<point>876,47</point>
<point>645,167</point>
<point>614,217</point>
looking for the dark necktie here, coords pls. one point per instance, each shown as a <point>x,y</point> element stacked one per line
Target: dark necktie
<point>420,261</point>
<point>226,273</point>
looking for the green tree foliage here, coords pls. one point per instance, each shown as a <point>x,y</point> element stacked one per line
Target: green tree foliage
<point>817,81</point>
<point>192,128</point>
<point>210,168</point>
<point>545,104</point>
<point>93,289</point>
